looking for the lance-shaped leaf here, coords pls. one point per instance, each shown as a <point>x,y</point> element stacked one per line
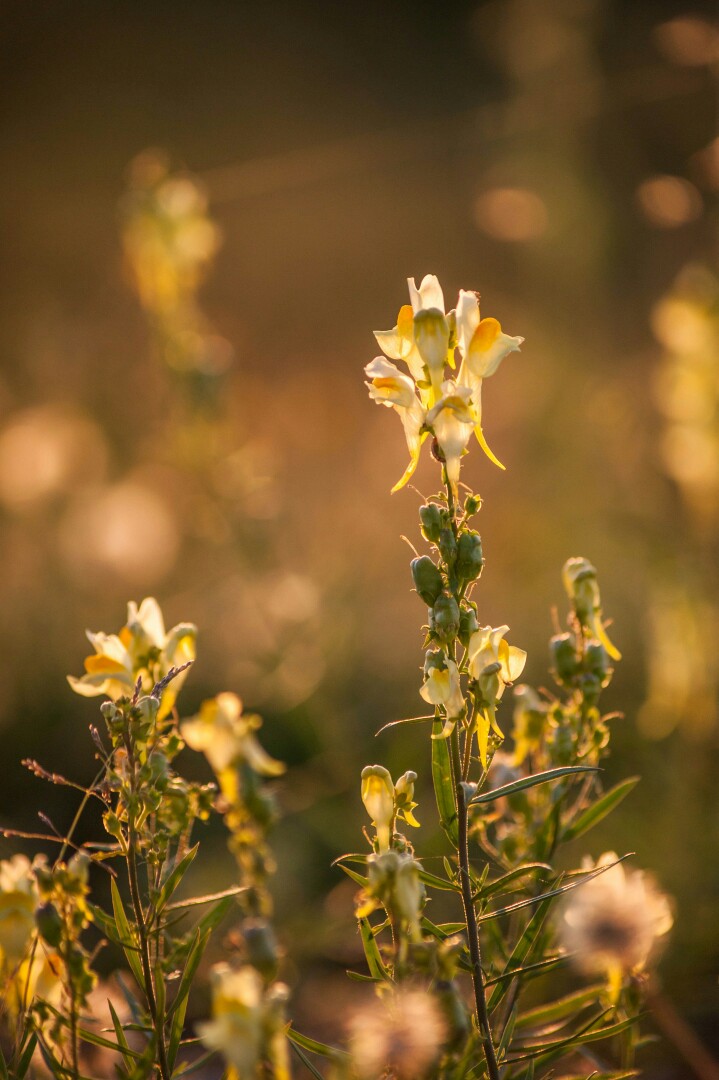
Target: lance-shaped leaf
<point>529,782</point>
<point>569,1005</point>
<point>510,881</point>
<point>371,950</point>
<point>509,908</point>
<point>521,951</point>
<point>443,786</point>
<point>125,935</point>
<point>314,1046</point>
<point>599,809</point>
<point>547,1052</point>
<point>174,878</point>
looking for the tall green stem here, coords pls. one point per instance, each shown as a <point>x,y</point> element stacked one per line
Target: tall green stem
<point>470,916</point>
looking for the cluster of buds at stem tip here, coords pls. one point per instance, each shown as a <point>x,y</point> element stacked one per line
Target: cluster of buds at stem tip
<point>580,581</point>
<point>426,339</point>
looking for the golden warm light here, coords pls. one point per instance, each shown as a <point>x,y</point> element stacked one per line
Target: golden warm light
<point>669,201</point>
<point>515,215</point>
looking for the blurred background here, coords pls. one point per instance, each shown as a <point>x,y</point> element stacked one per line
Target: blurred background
<point>206,209</point>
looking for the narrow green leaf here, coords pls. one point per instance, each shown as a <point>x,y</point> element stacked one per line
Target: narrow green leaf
<point>551,1051</point>
<point>529,782</point>
<point>26,1056</point>
<point>372,953</point>
<point>527,970</point>
<point>314,1046</point>
<point>443,786</point>
<point>357,878</point>
<point>107,1044</point>
<point>435,882</point>
<point>599,809</point>
<point>120,1035</point>
<point>174,878</point>
<point>520,952</point>
<point>509,908</point>
<point>570,1004</point>
<point>501,884</point>
<point>357,976</point>
<point>125,935</point>
<point>199,943</point>
<point>306,1061</point>
<point>210,898</point>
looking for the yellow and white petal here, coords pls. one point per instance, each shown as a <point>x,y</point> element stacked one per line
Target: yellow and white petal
<point>467,319</point>
<point>147,620</point>
<point>429,294</point>
<point>488,347</point>
<point>388,385</point>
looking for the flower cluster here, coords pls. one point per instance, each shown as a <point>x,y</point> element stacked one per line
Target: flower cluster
<point>426,339</point>
<point>141,650</point>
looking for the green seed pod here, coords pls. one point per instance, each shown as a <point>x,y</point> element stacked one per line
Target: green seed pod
<point>470,559</point>
<point>596,661</point>
<point>467,624</point>
<point>261,947</point>
<point>431,521</point>
<point>49,924</point>
<point>448,546</point>
<point>472,504</point>
<point>445,617</point>
<point>427,579</point>
<point>564,657</point>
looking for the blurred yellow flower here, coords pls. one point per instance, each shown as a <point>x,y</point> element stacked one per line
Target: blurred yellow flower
<point>580,581</point>
<point>247,1022</point>
<point>142,649</point>
<point>442,687</point>
<point>226,737</point>
<point>18,900</point>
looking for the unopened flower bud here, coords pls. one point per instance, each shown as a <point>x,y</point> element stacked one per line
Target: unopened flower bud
<point>378,799</point>
<point>564,657</point>
<point>49,924</point>
<point>596,661</point>
<point>472,504</point>
<point>468,624</point>
<point>445,617</point>
<point>470,559</point>
<point>261,947</point>
<point>430,517</point>
<point>427,579</point>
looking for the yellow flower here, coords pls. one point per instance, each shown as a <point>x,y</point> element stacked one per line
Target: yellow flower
<point>494,664</point>
<point>442,687</point>
<point>247,1022</point>
<point>580,581</point>
<point>40,975</point>
<point>18,900</point>
<point>614,922</point>
<point>141,649</point>
<point>226,736</point>
<point>237,1018</point>
<point>530,718</point>
<point>399,344</point>
<point>482,346</point>
<point>453,419</point>
<point>388,386</point>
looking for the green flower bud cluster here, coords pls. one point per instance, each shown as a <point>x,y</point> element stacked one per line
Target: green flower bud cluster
<point>443,587</point>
